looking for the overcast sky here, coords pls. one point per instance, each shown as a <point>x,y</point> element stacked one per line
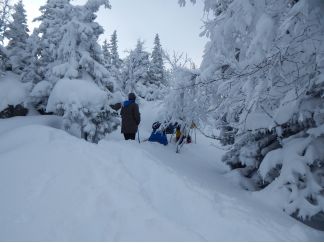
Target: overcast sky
<point>179,28</point>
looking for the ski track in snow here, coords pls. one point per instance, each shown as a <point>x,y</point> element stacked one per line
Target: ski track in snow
<point>55,187</point>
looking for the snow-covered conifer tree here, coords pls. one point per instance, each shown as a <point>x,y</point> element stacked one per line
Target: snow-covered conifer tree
<point>115,59</point>
<point>69,41</point>
<point>135,71</point>
<point>263,69</point>
<point>106,55</point>
<point>180,105</point>
<point>157,72</point>
<point>3,59</point>
<point>17,34</point>
<point>55,15</point>
<point>69,51</point>
<point>32,73</point>
<point>157,66</point>
<point>5,12</point>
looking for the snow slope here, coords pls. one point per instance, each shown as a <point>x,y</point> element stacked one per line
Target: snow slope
<point>56,187</point>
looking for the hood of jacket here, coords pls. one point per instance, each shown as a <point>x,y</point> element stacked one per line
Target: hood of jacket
<point>128,103</point>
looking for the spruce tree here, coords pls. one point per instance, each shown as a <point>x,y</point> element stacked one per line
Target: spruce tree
<point>106,54</point>
<point>55,15</point>
<point>115,59</point>
<point>68,42</point>
<point>31,73</point>
<point>68,55</point>
<point>17,34</point>
<point>5,11</point>
<point>3,59</point>
<point>135,71</point>
<point>157,72</point>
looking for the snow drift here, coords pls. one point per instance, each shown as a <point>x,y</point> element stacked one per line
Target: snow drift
<point>56,187</point>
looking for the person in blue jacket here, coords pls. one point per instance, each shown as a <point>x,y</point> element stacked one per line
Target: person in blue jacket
<point>131,117</point>
<point>158,135</point>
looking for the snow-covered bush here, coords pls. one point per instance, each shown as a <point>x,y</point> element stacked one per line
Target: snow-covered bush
<point>181,104</point>
<point>82,103</point>
<point>13,96</point>
<point>40,92</point>
<point>297,169</point>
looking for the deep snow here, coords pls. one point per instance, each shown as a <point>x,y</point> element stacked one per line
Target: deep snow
<point>12,91</point>
<point>56,187</point>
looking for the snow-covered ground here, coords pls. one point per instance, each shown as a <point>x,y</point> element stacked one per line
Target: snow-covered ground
<point>56,187</point>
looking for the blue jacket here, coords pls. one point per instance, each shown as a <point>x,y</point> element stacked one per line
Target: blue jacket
<point>158,136</point>
<point>128,103</point>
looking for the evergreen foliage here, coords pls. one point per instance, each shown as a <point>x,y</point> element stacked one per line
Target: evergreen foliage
<point>144,73</point>
<point>106,55</point>
<point>115,65</point>
<point>32,72</point>
<point>135,70</point>
<point>115,59</point>
<point>5,12</point>
<point>156,70</point>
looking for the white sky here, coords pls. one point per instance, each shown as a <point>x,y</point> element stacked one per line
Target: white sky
<point>179,28</point>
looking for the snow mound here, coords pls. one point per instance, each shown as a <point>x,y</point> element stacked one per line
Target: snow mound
<point>12,91</point>
<point>41,89</point>
<point>7,125</point>
<point>287,108</point>
<point>55,187</point>
<point>76,91</point>
<point>61,188</point>
<point>256,121</point>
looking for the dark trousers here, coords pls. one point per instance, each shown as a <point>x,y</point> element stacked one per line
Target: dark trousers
<point>129,136</point>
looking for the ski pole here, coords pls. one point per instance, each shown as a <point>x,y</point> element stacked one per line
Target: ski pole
<point>138,136</point>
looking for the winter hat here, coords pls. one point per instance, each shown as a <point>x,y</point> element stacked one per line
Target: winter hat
<point>131,96</point>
